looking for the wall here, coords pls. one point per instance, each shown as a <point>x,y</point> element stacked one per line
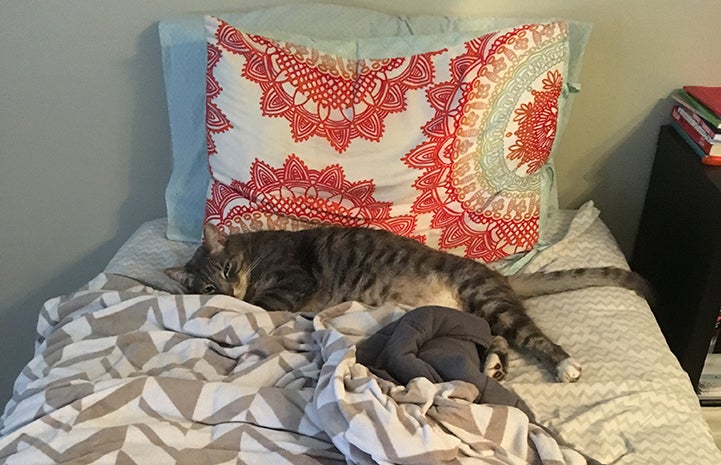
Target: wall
<point>84,144</point>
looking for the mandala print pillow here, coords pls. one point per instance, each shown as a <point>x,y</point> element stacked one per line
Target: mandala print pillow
<point>445,146</point>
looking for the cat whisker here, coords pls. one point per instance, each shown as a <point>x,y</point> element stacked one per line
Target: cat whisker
<point>256,261</point>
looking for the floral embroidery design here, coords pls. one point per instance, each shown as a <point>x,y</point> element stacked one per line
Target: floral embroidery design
<point>216,121</point>
<point>307,198</point>
<point>537,124</point>
<point>322,95</point>
<point>479,167</point>
<point>464,177</point>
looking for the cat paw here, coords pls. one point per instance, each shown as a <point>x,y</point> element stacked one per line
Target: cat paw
<point>568,371</point>
<point>494,367</point>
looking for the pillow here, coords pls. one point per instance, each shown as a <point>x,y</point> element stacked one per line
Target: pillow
<point>183,51</point>
<point>440,138</point>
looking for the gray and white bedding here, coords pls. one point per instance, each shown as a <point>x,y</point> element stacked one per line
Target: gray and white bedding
<point>127,370</point>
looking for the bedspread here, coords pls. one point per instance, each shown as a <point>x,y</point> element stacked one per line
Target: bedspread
<point>124,373</point>
<point>127,374</point>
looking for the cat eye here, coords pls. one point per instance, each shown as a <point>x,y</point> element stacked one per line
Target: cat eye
<point>228,268</point>
<point>208,289</point>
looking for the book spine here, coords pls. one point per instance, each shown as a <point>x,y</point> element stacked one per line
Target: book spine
<point>689,117</point>
<point>688,126</point>
<point>688,140</point>
<point>685,99</point>
<point>704,126</point>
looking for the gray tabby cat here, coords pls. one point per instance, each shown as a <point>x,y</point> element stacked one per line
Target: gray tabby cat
<point>312,269</point>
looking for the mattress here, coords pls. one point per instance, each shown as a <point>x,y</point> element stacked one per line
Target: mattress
<point>128,370</point>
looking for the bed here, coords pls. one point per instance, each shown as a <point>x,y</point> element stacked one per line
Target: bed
<point>128,369</point>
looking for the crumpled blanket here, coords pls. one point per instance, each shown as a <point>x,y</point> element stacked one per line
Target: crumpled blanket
<point>612,413</point>
<point>438,343</point>
<point>371,420</point>
<point>123,373</point>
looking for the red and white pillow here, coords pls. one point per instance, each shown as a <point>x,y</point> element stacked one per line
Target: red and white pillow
<point>444,145</point>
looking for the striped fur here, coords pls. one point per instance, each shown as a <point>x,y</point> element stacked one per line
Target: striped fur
<point>312,269</point>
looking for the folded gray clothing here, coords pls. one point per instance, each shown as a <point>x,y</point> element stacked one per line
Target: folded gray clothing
<point>441,344</point>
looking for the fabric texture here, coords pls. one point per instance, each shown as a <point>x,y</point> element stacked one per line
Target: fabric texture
<point>184,64</point>
<point>440,344</point>
<point>162,377</point>
<point>127,374</point>
<point>612,413</point>
<point>462,126</point>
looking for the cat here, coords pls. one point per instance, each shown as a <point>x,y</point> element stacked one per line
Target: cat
<point>308,270</point>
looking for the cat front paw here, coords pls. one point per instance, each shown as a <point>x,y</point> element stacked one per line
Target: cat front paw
<point>568,371</point>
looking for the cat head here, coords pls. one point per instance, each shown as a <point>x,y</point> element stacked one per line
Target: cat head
<point>212,270</point>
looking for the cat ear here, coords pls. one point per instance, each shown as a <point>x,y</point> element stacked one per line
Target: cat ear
<point>179,274</point>
<point>214,238</point>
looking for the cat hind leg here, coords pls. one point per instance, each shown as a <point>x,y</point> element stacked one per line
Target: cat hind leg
<point>496,364</point>
<point>522,333</point>
<point>568,371</point>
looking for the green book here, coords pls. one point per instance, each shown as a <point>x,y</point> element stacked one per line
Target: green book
<point>685,99</point>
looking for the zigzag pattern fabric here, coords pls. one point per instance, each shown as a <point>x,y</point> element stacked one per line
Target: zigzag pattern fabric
<point>124,373</point>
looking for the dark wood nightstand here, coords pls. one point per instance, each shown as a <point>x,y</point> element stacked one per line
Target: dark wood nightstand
<point>678,248</point>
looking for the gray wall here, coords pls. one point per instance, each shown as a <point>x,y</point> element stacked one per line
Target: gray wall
<point>84,144</point>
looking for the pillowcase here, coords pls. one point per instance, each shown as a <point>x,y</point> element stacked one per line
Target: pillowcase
<point>183,45</point>
<point>442,139</point>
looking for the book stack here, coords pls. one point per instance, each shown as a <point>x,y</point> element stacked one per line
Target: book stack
<point>697,117</point>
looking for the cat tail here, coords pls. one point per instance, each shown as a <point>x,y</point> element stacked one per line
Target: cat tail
<point>527,285</point>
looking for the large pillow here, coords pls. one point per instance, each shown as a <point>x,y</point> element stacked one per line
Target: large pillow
<point>184,56</point>
<point>438,137</point>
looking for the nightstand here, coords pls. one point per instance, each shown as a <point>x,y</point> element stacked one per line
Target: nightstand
<point>678,248</point>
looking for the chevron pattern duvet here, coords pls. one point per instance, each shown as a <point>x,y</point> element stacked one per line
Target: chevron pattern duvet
<point>129,371</point>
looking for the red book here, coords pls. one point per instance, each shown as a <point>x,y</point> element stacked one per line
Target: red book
<point>691,128</point>
<point>703,125</point>
<point>708,95</point>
